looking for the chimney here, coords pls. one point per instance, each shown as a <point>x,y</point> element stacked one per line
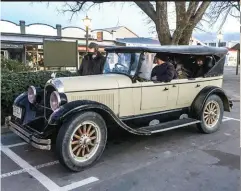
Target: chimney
<point>22,27</point>
<point>59,30</point>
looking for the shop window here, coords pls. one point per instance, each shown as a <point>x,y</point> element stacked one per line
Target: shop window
<point>212,44</point>
<point>34,56</point>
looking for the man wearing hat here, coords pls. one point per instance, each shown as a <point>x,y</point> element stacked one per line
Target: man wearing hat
<point>93,62</point>
<point>164,71</point>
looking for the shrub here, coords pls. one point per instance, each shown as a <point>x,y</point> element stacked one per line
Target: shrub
<point>13,65</point>
<point>13,84</point>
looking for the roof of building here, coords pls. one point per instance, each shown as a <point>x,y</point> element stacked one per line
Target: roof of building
<point>236,46</point>
<point>206,37</point>
<point>111,29</point>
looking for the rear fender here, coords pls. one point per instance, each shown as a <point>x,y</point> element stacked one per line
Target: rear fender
<point>199,101</point>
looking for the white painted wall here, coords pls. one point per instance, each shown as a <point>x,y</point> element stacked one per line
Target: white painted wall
<point>39,29</point>
<point>9,27</point>
<point>73,32</point>
<point>232,58</point>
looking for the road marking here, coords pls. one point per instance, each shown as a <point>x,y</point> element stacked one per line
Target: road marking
<point>44,180</point>
<point>15,145</point>
<point>79,183</point>
<point>230,118</point>
<point>16,172</point>
<point>226,120</point>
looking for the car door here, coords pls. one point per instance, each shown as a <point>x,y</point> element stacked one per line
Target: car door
<point>153,97</point>
<point>188,90</point>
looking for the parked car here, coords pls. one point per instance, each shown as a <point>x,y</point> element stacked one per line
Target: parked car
<point>75,113</point>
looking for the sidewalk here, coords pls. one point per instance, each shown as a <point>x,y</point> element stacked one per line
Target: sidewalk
<point>231,83</point>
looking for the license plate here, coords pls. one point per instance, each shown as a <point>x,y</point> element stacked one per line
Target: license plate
<point>17,112</point>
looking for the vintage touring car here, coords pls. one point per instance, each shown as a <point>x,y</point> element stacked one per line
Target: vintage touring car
<point>75,113</point>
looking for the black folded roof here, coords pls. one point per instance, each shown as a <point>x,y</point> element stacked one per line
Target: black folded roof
<point>175,49</point>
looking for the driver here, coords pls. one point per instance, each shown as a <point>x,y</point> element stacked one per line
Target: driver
<point>164,71</point>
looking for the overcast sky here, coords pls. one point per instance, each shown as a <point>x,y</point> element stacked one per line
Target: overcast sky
<point>108,15</point>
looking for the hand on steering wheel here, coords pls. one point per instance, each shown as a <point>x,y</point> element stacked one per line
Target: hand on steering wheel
<point>116,66</point>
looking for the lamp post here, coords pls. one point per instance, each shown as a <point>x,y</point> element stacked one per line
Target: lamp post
<point>87,22</point>
<point>219,37</point>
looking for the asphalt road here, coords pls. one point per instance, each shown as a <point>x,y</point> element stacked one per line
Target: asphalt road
<point>178,160</point>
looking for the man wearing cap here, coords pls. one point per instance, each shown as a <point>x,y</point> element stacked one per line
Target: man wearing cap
<point>93,62</point>
<point>164,71</point>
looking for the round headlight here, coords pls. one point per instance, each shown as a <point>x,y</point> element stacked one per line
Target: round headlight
<point>55,100</point>
<point>31,94</point>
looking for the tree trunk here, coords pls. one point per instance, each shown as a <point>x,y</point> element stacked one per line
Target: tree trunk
<point>186,35</point>
<point>162,26</point>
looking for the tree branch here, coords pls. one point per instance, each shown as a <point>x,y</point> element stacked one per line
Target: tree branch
<point>191,9</point>
<point>200,12</point>
<point>148,8</point>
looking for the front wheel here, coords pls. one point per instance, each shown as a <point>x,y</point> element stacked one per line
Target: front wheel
<point>211,115</point>
<point>81,141</point>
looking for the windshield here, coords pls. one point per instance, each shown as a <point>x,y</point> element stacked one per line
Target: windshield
<point>125,63</point>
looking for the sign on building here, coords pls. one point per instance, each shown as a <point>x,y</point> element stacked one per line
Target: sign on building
<point>60,54</point>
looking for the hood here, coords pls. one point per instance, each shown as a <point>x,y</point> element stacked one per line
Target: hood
<point>91,82</point>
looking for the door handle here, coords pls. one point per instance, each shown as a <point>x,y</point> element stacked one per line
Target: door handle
<point>197,85</point>
<point>166,89</point>
<point>174,86</point>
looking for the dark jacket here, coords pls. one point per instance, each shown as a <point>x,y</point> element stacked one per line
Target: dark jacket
<point>92,66</point>
<point>164,72</point>
<point>199,71</point>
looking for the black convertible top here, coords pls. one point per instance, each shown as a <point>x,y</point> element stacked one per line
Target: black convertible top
<point>175,49</point>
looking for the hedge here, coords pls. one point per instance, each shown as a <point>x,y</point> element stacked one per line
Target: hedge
<point>13,65</point>
<point>13,84</point>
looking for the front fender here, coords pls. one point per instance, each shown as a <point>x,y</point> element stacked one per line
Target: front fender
<point>199,101</point>
<point>27,113</point>
<point>74,107</point>
<point>29,110</point>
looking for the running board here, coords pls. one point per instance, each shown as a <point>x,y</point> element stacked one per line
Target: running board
<point>161,127</point>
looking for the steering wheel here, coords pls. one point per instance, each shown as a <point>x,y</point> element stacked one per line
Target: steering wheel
<point>116,66</point>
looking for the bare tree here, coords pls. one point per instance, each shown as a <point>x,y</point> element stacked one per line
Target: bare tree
<point>188,16</point>
<point>221,10</point>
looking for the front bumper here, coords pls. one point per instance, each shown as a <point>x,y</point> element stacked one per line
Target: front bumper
<point>44,144</point>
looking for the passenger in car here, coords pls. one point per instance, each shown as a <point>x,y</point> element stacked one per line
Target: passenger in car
<point>199,69</point>
<point>164,71</point>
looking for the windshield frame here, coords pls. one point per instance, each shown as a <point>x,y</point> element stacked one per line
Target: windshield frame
<point>128,52</point>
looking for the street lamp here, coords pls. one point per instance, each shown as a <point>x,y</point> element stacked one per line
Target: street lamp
<point>219,37</point>
<point>87,22</point>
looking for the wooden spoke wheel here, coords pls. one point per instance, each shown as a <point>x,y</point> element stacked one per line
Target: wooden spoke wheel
<point>211,114</point>
<point>81,140</point>
<point>84,141</point>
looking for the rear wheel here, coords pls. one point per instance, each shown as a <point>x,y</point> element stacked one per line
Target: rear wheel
<point>81,141</point>
<point>211,115</point>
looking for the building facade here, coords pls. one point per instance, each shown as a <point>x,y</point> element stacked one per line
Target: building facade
<point>25,42</point>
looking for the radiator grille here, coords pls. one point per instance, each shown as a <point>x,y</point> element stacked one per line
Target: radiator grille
<point>106,99</point>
